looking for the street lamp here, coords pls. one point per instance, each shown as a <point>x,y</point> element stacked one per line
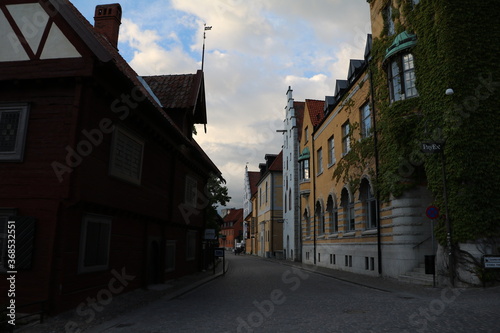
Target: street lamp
<point>451,255</point>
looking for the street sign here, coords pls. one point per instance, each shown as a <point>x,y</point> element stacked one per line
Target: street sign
<point>432,147</point>
<point>432,212</point>
<point>210,234</point>
<point>491,262</point>
<point>219,252</point>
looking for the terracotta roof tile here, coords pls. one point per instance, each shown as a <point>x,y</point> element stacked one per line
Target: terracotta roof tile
<point>175,91</point>
<point>235,215</point>
<point>316,110</point>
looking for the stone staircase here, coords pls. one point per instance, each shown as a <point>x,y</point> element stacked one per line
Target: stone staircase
<point>417,276</point>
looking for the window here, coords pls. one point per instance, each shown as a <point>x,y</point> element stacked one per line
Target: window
<point>346,140</point>
<point>190,191</point>
<point>331,151</point>
<point>267,190</point>
<point>191,245</point>
<point>333,216</point>
<point>13,128</point>
<point>290,199</point>
<point>304,169</point>
<point>126,156</point>
<point>94,243</point>
<point>332,259</point>
<point>348,210</point>
<point>320,217</point>
<point>388,21</point>
<point>402,78</point>
<point>348,261</point>
<point>306,134</point>
<point>170,256</point>
<point>307,223</point>
<point>369,204</point>
<point>366,121</point>
<point>320,161</point>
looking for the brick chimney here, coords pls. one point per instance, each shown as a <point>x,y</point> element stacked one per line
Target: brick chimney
<point>107,22</point>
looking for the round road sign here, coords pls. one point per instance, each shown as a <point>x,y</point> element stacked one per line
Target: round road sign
<point>432,212</point>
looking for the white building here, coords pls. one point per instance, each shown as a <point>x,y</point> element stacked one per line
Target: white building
<point>294,113</point>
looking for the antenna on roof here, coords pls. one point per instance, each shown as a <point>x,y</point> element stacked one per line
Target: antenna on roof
<point>204,37</point>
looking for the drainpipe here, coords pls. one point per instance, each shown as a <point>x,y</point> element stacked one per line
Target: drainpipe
<point>377,192</point>
<point>313,169</point>
<point>271,240</point>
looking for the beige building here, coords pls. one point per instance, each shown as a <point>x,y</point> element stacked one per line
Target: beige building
<point>269,202</point>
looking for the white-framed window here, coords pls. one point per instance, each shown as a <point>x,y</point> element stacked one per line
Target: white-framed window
<point>94,243</point>
<point>126,156</point>
<point>191,245</point>
<point>304,169</point>
<point>13,131</point>
<point>346,139</point>
<point>190,191</point>
<point>366,121</point>
<point>170,256</point>
<point>320,161</point>
<point>267,191</point>
<point>320,217</point>
<point>401,74</point>
<point>331,151</point>
<point>348,210</point>
<point>306,134</point>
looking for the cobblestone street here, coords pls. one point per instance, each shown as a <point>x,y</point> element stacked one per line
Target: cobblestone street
<point>259,295</point>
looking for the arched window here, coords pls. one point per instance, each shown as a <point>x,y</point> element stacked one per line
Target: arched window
<point>289,199</point>
<point>348,210</point>
<point>320,217</point>
<point>307,223</point>
<point>369,204</point>
<point>333,216</point>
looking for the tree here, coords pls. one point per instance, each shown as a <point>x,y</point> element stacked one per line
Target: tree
<point>217,195</point>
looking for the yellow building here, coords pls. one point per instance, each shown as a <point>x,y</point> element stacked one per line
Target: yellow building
<point>343,227</point>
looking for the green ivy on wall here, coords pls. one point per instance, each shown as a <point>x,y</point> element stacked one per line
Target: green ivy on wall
<point>458,46</point>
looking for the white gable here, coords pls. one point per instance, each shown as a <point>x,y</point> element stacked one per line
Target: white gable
<point>10,47</point>
<point>33,21</point>
<point>58,46</point>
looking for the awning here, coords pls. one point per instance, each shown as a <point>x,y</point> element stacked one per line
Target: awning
<point>402,42</point>
<point>305,154</point>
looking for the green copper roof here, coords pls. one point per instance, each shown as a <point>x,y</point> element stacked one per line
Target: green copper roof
<point>305,154</point>
<point>403,41</point>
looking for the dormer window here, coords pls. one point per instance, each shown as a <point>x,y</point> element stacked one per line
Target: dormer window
<point>402,79</point>
<point>401,68</point>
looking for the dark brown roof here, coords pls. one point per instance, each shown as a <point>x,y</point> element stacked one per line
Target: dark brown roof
<point>277,163</point>
<point>316,110</point>
<point>254,177</point>
<point>235,215</point>
<point>299,114</point>
<point>175,91</point>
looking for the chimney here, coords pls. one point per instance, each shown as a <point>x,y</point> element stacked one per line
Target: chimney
<point>107,22</point>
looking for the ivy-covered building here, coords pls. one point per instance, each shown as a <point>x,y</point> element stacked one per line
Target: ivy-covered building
<point>436,81</point>
<point>411,127</point>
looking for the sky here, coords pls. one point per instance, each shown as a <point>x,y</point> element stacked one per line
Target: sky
<point>255,50</point>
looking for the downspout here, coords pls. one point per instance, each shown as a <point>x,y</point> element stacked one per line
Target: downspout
<point>313,168</point>
<point>377,192</point>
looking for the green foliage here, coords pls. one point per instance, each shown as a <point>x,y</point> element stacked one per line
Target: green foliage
<point>458,43</point>
<point>217,195</point>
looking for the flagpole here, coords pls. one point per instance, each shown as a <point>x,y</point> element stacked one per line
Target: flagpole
<point>204,37</point>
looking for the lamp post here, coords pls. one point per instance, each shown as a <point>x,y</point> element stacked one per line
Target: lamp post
<point>451,254</point>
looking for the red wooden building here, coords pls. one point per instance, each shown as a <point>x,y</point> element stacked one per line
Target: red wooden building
<point>231,228</point>
<point>97,165</point>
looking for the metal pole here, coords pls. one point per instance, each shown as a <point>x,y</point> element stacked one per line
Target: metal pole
<point>434,254</point>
